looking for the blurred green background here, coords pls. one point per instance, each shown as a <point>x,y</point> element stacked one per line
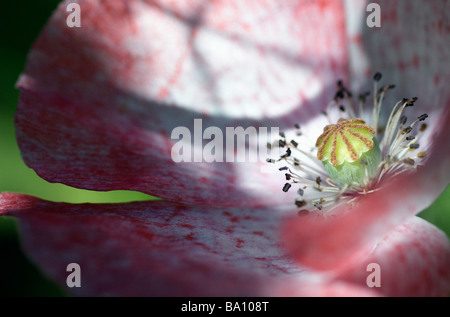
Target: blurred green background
<point>20,25</point>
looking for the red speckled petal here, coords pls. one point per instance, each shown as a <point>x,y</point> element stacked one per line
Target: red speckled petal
<point>414,260</point>
<point>98,103</point>
<point>330,243</point>
<point>160,248</point>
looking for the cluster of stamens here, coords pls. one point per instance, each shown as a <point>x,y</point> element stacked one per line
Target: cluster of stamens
<point>345,142</point>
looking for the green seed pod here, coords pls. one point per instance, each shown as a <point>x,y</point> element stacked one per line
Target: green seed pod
<point>349,151</point>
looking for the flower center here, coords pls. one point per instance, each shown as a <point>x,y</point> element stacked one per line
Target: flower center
<point>349,151</point>
<point>349,160</point>
<point>345,141</point>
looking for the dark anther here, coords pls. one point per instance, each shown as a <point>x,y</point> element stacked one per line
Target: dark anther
<point>414,146</point>
<point>408,161</point>
<point>318,180</point>
<point>297,126</point>
<point>300,203</point>
<point>423,127</point>
<point>404,100</point>
<point>270,160</point>
<point>342,108</point>
<point>403,120</point>
<point>377,76</point>
<point>282,134</point>
<point>410,138</point>
<point>286,187</point>
<point>284,168</point>
<point>295,144</point>
<point>339,94</point>
<point>422,117</point>
<point>391,86</point>
<point>288,176</point>
<point>269,146</point>
<point>406,130</point>
<point>288,153</point>
<point>281,143</point>
<point>411,102</point>
<point>300,192</point>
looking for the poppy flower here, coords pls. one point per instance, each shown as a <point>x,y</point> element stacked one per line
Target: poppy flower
<point>98,105</point>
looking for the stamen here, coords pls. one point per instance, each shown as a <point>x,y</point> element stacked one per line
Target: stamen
<point>377,76</point>
<point>300,203</point>
<point>286,187</point>
<point>319,203</point>
<point>318,180</point>
<point>422,117</point>
<point>403,120</point>
<point>339,95</point>
<point>345,142</point>
<point>288,153</point>
<point>421,154</point>
<point>406,130</point>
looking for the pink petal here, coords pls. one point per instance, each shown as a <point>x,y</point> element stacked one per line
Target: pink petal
<point>160,248</point>
<point>152,248</point>
<point>414,260</point>
<point>98,103</point>
<point>331,243</point>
